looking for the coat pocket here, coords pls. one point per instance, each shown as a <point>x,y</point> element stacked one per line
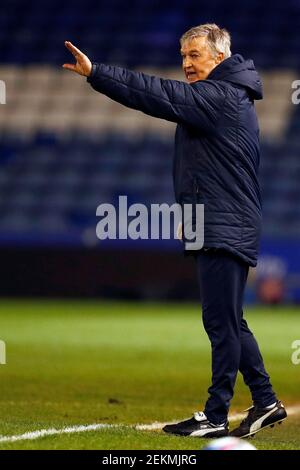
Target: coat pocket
<point>192,207</point>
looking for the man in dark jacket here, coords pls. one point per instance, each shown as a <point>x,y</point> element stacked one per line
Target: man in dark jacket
<point>216,164</point>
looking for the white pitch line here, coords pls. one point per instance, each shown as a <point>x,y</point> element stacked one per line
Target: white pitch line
<point>52,431</point>
<point>32,435</point>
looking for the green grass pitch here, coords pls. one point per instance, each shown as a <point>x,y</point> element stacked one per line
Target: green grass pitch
<point>83,362</point>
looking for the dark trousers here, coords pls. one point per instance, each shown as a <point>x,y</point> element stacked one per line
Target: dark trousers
<point>222,279</point>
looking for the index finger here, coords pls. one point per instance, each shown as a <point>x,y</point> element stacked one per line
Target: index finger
<point>76,52</point>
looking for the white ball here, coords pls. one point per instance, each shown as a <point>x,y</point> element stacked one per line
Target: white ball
<point>229,443</point>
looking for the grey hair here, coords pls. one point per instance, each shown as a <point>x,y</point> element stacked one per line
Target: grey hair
<point>218,39</point>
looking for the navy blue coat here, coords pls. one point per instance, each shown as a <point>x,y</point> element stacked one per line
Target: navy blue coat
<point>216,145</point>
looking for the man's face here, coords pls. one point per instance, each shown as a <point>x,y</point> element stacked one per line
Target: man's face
<point>197,59</point>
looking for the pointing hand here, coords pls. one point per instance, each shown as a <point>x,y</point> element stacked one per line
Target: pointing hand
<point>83,64</point>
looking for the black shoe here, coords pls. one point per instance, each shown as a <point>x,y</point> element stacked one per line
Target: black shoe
<point>198,426</point>
<point>258,419</point>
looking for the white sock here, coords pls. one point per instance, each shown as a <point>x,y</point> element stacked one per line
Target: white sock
<point>270,406</point>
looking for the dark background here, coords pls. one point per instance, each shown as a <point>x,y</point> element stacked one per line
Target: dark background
<point>64,149</point>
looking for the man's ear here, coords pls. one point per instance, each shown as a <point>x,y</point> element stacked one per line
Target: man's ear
<point>220,57</point>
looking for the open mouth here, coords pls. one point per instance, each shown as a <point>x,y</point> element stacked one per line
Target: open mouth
<point>191,75</point>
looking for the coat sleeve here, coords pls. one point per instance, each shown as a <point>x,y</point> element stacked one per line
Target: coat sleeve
<point>198,104</point>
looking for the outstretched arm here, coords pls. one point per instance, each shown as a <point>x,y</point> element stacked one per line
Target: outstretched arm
<point>197,104</point>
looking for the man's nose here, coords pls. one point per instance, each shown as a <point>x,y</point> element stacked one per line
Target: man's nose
<point>187,62</point>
